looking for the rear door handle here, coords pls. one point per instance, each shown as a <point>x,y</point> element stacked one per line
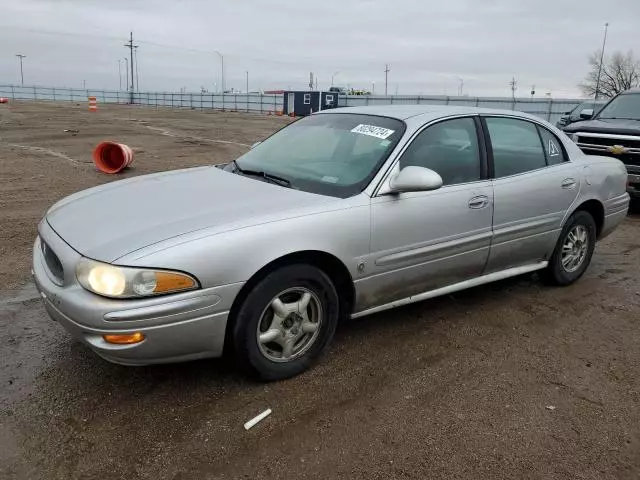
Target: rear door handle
<point>480,201</point>
<point>568,183</point>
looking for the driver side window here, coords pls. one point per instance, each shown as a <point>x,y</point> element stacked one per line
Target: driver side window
<point>449,148</point>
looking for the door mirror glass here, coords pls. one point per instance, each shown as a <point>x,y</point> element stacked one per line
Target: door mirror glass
<point>586,114</point>
<point>415,179</point>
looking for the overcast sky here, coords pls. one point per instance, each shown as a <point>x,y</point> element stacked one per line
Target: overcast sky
<point>429,47</point>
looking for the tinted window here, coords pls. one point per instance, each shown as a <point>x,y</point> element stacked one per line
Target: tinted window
<point>328,154</point>
<point>449,148</point>
<point>552,147</point>
<point>516,146</point>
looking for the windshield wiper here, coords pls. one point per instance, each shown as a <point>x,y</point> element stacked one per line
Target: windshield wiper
<point>283,182</point>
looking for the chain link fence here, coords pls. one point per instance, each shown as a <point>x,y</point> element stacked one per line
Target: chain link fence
<point>252,102</point>
<point>547,108</point>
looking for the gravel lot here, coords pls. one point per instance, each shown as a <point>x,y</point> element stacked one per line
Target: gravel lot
<point>509,380</point>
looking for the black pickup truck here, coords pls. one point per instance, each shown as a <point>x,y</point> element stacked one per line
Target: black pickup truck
<point>613,131</point>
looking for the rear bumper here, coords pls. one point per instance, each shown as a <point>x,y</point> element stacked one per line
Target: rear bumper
<point>615,213</point>
<point>176,328</point>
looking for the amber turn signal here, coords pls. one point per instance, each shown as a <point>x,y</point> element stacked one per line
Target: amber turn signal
<point>124,339</point>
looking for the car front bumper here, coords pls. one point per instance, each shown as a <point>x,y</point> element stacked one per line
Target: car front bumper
<point>633,184</point>
<point>176,328</point>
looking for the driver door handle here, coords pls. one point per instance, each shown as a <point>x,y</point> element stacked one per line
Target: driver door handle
<point>568,183</point>
<point>480,201</point>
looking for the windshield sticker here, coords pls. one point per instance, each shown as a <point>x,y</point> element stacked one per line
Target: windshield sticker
<point>373,131</point>
<point>553,150</point>
<point>330,179</point>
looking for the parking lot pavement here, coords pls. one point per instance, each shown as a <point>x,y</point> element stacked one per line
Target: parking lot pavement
<point>509,380</point>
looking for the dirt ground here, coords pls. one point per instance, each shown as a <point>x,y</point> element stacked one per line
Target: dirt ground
<point>509,380</point>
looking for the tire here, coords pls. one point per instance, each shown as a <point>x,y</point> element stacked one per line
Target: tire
<point>294,347</point>
<point>557,272</point>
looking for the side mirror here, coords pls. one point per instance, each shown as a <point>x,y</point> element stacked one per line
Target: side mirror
<point>586,114</point>
<point>415,179</point>
<point>255,145</point>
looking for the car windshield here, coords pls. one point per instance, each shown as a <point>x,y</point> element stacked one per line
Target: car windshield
<point>334,154</point>
<point>594,104</point>
<point>622,107</point>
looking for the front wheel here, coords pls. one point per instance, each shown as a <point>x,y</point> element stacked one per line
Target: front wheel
<point>574,249</point>
<point>286,322</point>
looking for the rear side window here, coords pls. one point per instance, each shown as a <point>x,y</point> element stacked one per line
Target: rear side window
<point>552,147</point>
<point>516,146</point>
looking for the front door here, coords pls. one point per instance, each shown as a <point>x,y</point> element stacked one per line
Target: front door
<point>421,241</point>
<point>534,186</point>
<point>291,103</point>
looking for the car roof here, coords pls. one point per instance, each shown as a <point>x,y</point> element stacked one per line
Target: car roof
<point>426,112</point>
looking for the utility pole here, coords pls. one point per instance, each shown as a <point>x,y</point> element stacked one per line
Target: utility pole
<point>247,72</point>
<point>119,75</point>
<point>135,51</point>
<point>126,64</point>
<point>604,43</point>
<point>386,78</point>
<point>84,84</point>
<point>131,46</point>
<point>514,86</point>
<point>20,56</point>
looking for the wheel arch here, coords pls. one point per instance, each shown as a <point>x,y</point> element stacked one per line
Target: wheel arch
<point>596,209</point>
<point>331,265</point>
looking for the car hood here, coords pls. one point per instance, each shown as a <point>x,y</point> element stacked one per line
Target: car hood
<point>622,127</point>
<point>109,221</point>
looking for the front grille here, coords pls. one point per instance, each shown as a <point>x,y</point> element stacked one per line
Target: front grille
<point>600,143</point>
<point>609,141</point>
<point>52,261</point>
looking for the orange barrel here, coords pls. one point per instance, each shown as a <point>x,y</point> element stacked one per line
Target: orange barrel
<point>93,104</point>
<point>4,100</point>
<point>111,157</point>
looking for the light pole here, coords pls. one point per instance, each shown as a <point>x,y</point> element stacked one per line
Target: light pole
<point>334,75</point>
<point>20,56</point>
<point>247,72</point>
<point>221,69</point>
<point>119,75</point>
<point>604,42</point>
<point>460,85</point>
<point>373,88</point>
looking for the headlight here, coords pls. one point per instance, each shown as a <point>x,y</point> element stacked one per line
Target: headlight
<point>127,282</point>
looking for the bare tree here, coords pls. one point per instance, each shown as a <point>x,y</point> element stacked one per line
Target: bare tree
<point>619,73</point>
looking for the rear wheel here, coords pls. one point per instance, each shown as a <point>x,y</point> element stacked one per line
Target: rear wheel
<point>574,249</point>
<point>286,322</point>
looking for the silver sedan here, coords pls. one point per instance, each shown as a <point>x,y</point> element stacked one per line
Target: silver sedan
<point>340,214</point>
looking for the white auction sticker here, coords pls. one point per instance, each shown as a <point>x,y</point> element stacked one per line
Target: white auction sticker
<point>373,131</point>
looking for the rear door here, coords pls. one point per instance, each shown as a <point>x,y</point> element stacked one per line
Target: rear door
<point>534,185</point>
<point>424,240</point>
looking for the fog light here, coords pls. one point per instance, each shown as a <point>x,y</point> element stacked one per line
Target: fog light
<point>124,339</point>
